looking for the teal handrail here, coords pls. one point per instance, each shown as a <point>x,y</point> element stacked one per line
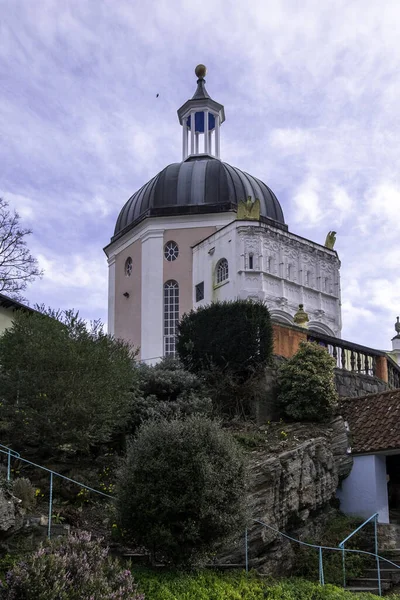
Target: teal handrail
<point>13,454</point>
<point>320,549</point>
<point>373,518</point>
<point>10,453</point>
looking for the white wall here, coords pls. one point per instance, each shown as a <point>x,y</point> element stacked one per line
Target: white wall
<point>364,492</point>
<point>6,316</point>
<point>287,271</point>
<point>152,296</point>
<point>205,260</point>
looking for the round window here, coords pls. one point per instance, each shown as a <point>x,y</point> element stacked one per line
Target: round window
<point>171,251</point>
<point>128,267</point>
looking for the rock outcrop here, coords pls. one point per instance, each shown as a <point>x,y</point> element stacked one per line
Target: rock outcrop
<point>11,518</point>
<point>292,492</point>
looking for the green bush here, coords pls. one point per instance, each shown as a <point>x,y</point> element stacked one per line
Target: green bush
<point>181,490</point>
<point>209,585</point>
<point>167,391</point>
<point>306,384</point>
<point>72,568</point>
<point>229,336</point>
<point>63,384</point>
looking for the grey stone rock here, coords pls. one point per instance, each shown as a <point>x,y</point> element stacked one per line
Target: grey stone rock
<point>11,518</point>
<point>291,492</point>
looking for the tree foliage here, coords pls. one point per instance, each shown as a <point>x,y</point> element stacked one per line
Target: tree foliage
<point>230,336</point>
<point>17,266</point>
<point>63,384</point>
<point>181,490</point>
<point>306,384</point>
<point>167,391</point>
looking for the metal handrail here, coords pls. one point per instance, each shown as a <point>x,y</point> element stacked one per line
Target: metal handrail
<point>13,454</point>
<point>373,518</point>
<point>320,548</point>
<point>10,453</point>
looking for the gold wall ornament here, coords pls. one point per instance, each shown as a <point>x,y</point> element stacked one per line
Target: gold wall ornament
<point>249,210</point>
<point>330,240</point>
<point>301,317</point>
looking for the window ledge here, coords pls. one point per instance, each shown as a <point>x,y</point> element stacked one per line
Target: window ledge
<point>218,285</point>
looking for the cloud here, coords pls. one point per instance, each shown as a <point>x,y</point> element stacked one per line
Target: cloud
<point>307,202</point>
<point>311,97</point>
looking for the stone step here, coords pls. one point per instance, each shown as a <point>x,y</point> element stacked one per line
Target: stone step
<point>367,582</point>
<point>225,566</point>
<point>358,590</point>
<point>386,573</point>
<point>137,558</point>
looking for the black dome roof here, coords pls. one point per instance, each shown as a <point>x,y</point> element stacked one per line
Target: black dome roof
<point>200,184</point>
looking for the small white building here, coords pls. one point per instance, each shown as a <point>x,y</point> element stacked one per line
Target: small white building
<point>7,308</point>
<point>203,230</point>
<point>373,485</point>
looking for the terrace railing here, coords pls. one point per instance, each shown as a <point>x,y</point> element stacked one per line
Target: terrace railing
<point>359,359</point>
<point>393,373</point>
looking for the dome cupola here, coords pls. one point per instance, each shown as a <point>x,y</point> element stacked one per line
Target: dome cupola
<point>201,118</point>
<point>201,183</point>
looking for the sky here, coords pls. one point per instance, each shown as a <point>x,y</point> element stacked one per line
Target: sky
<point>311,92</point>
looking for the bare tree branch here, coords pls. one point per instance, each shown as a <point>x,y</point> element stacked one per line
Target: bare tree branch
<point>17,266</point>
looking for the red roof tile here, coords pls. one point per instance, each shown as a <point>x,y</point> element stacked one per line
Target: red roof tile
<point>374,421</point>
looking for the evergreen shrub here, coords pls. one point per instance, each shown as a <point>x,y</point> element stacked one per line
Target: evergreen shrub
<point>63,384</point>
<point>168,391</point>
<point>70,568</point>
<point>306,383</point>
<point>181,490</point>
<point>231,336</point>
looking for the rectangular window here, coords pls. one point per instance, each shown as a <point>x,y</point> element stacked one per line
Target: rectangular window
<point>171,316</point>
<point>199,291</point>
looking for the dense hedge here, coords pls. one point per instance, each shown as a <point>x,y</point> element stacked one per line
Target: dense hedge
<point>209,585</point>
<point>64,384</point>
<point>230,336</point>
<point>181,490</point>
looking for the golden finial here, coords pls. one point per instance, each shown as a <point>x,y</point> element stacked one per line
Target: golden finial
<point>201,71</point>
<point>301,317</point>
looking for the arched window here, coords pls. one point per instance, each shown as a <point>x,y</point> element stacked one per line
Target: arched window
<point>171,315</point>
<point>290,271</point>
<point>270,264</point>
<point>251,261</point>
<point>128,267</point>
<point>222,271</point>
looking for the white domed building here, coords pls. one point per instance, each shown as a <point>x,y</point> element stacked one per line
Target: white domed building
<point>202,230</point>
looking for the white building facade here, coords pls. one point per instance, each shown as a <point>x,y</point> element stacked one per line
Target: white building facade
<point>251,259</point>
